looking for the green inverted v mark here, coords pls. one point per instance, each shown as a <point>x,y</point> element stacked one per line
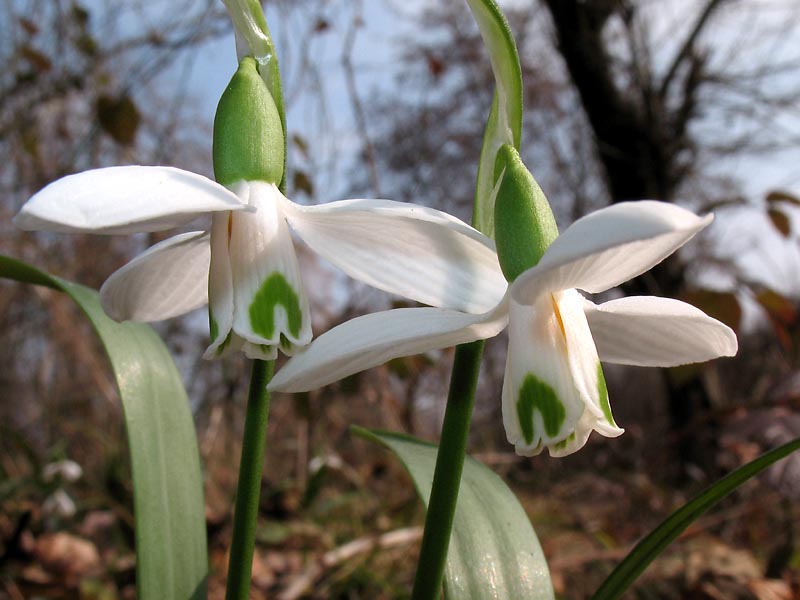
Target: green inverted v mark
<point>274,292</point>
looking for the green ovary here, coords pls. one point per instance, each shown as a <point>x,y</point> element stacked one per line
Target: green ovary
<point>274,292</point>
<point>537,395</point>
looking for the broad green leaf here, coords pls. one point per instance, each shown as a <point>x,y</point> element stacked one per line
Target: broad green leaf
<point>494,551</point>
<point>171,553</point>
<point>504,125</point>
<point>651,546</point>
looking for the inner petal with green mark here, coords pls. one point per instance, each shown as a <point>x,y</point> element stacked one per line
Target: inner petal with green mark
<point>536,395</point>
<point>603,394</point>
<point>275,292</point>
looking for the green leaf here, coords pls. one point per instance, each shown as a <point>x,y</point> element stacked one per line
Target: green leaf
<point>172,559</point>
<point>504,125</point>
<point>494,551</point>
<point>651,546</point>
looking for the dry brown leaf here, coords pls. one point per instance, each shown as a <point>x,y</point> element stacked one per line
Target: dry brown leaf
<point>67,555</point>
<point>771,589</point>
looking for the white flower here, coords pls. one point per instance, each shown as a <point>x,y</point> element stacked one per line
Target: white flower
<point>66,470</point>
<point>554,393</point>
<point>246,265</point>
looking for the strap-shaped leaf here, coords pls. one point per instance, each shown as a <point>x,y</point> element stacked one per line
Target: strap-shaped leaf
<point>171,553</point>
<point>494,551</point>
<point>651,546</point>
<point>504,125</point>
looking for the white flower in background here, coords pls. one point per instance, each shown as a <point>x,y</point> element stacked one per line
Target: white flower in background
<point>554,393</point>
<point>60,504</point>
<point>64,470</point>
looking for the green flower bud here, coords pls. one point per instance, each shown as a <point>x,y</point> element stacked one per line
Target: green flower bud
<point>248,138</point>
<point>523,222</point>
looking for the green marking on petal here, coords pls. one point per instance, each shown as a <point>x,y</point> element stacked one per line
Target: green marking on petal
<point>602,389</point>
<point>274,292</point>
<point>213,327</point>
<point>225,344</point>
<point>285,343</point>
<point>535,394</point>
<point>563,443</point>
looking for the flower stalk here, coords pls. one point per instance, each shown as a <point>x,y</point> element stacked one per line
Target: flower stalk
<point>447,475</point>
<point>248,492</point>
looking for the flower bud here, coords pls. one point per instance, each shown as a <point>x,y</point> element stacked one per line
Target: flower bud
<point>524,224</point>
<point>248,137</point>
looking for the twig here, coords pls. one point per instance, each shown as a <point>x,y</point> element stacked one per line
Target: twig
<point>688,45</point>
<point>337,556</point>
<point>352,90</point>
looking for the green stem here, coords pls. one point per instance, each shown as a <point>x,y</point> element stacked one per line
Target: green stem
<point>245,517</point>
<point>447,475</point>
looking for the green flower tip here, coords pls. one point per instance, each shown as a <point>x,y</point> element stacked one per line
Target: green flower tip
<point>248,138</point>
<point>523,221</point>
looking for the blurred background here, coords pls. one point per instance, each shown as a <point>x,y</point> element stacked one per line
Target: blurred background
<point>688,101</point>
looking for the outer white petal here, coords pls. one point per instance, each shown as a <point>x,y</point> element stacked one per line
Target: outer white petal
<point>270,303</point>
<point>553,376</point>
<point>608,247</point>
<point>220,290</point>
<point>124,200</point>
<point>373,339</point>
<point>165,281</point>
<point>409,250</point>
<point>657,332</point>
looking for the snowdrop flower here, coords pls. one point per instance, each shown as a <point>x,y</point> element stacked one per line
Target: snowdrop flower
<point>245,267</point>
<point>65,470</point>
<point>554,393</point>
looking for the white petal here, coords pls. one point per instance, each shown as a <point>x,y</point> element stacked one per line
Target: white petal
<point>231,344</point>
<point>270,303</point>
<point>552,375</point>
<point>404,249</point>
<point>577,439</point>
<point>657,332</point>
<point>610,246</point>
<point>220,289</point>
<point>373,339</point>
<point>259,351</point>
<point>167,280</point>
<point>584,362</point>
<point>124,200</point>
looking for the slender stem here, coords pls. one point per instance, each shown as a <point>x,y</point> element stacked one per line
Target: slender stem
<point>447,475</point>
<point>249,489</point>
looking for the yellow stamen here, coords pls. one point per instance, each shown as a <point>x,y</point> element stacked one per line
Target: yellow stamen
<point>558,315</point>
